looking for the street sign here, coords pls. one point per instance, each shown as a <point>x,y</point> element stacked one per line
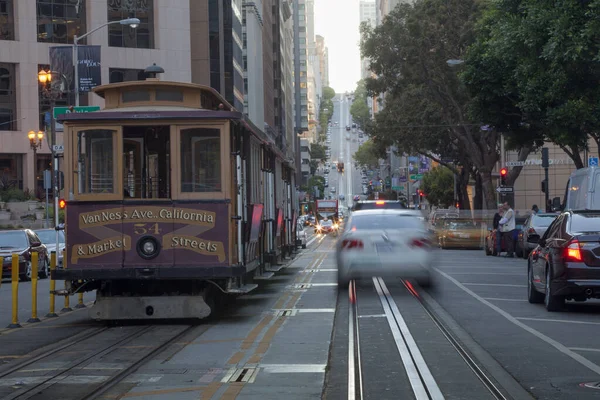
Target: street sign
<point>505,189</point>
<point>66,110</point>
<point>416,177</point>
<point>593,162</point>
<point>58,148</point>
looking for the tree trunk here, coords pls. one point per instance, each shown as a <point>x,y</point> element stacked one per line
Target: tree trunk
<point>516,171</point>
<point>463,194</point>
<point>478,198</point>
<point>488,190</point>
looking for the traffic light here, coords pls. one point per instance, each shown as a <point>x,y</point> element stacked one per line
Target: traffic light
<point>62,204</point>
<point>61,180</point>
<point>306,208</point>
<point>503,173</point>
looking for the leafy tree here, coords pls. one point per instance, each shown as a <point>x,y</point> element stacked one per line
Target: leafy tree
<point>317,152</point>
<point>360,109</point>
<point>438,186</point>
<point>408,53</point>
<point>328,93</point>
<point>319,182</point>
<point>367,155</point>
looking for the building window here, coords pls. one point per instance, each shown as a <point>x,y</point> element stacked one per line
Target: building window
<point>11,170</point>
<point>7,20</point>
<point>59,20</point>
<point>44,102</point>
<point>116,75</point>
<point>8,98</point>
<point>119,35</point>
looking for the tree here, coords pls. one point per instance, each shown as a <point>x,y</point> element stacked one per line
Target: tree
<point>367,155</point>
<point>360,109</point>
<point>438,186</point>
<point>328,93</point>
<point>317,152</point>
<point>319,182</point>
<point>408,52</point>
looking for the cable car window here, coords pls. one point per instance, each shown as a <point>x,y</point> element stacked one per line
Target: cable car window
<point>96,161</point>
<point>169,95</point>
<point>132,96</point>
<point>200,160</point>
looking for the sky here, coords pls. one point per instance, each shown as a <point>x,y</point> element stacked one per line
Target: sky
<point>338,21</point>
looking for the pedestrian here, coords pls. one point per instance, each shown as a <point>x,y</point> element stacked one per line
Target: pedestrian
<point>508,225</point>
<point>535,209</point>
<point>496,226</point>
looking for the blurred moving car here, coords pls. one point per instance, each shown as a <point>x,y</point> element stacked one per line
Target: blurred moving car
<point>301,236</point>
<point>48,237</point>
<point>326,226</point>
<point>458,233</point>
<point>392,243</point>
<point>565,264</point>
<point>533,228</point>
<point>23,242</point>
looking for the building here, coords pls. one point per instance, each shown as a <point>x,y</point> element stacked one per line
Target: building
<point>126,52</point>
<point>323,55</point>
<point>384,7</point>
<point>368,14</point>
<point>194,41</point>
<point>305,160</point>
<point>300,67</point>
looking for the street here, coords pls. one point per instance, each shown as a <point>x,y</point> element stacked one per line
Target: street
<point>472,336</point>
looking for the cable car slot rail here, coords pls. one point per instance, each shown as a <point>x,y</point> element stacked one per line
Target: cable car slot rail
<point>97,389</point>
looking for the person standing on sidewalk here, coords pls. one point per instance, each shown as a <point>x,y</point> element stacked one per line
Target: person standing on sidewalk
<point>496,226</point>
<point>508,225</point>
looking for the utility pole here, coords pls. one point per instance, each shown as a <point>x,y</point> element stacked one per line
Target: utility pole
<point>546,185</point>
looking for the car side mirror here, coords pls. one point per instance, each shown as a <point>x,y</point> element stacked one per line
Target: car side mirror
<point>542,242</point>
<point>36,244</point>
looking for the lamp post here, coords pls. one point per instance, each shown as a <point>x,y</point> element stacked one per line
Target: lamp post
<point>36,141</point>
<point>132,22</point>
<point>53,90</point>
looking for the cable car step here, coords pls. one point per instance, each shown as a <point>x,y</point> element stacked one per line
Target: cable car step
<point>274,268</point>
<point>243,289</point>
<point>264,276</point>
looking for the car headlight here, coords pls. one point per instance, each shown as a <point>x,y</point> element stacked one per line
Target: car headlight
<point>148,247</point>
<point>22,258</point>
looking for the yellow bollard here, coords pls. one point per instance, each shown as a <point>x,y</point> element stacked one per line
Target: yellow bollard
<point>80,300</point>
<point>52,313</point>
<point>15,292</point>
<point>67,306</point>
<point>34,285</point>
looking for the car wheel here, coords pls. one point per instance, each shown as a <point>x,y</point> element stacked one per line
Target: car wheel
<point>304,246</point>
<point>533,296</point>
<point>43,269</point>
<point>26,277</point>
<point>552,302</point>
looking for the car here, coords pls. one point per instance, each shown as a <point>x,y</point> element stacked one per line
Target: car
<point>23,242</point>
<point>48,237</point>
<point>564,265</point>
<point>326,226</point>
<point>534,227</point>
<point>301,236</point>
<point>379,204</point>
<point>347,128</point>
<point>386,243</point>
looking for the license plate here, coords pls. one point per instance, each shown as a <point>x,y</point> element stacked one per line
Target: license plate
<point>384,248</point>
<point>465,236</point>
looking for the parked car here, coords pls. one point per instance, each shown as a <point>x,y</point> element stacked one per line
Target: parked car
<point>23,242</point>
<point>456,233</point>
<point>301,236</point>
<point>565,264</point>
<point>491,239</point>
<point>533,229</point>
<point>48,237</point>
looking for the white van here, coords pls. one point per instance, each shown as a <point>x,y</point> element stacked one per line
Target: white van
<point>582,191</point>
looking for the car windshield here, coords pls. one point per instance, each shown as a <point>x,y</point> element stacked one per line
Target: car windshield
<point>460,224</point>
<point>13,240</point>
<point>582,223</point>
<point>386,221</point>
<point>49,237</point>
<point>326,223</point>
<point>543,220</point>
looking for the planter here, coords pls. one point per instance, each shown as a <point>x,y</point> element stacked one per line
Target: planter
<point>33,204</point>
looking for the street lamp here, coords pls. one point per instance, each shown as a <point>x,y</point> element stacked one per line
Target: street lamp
<point>132,22</point>
<point>36,139</point>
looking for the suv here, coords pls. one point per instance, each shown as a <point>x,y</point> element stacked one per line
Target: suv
<point>379,204</point>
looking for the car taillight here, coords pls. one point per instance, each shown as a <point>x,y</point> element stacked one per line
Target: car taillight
<point>352,244</point>
<point>531,230</point>
<point>419,243</point>
<point>573,252</point>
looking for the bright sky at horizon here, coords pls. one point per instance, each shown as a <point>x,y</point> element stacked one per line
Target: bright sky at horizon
<point>338,21</point>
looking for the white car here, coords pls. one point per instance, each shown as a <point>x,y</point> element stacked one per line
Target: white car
<point>301,236</point>
<point>386,243</point>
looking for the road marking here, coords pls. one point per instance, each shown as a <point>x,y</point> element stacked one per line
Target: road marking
<point>165,391</point>
<point>558,346</point>
<point>319,270</point>
<point>307,310</point>
<point>351,348</point>
<point>487,273</point>
<point>492,284</point>
<point>421,380</point>
<point>293,368</point>
<point>562,321</point>
<point>584,349</point>
<point>372,316</point>
<point>499,299</point>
